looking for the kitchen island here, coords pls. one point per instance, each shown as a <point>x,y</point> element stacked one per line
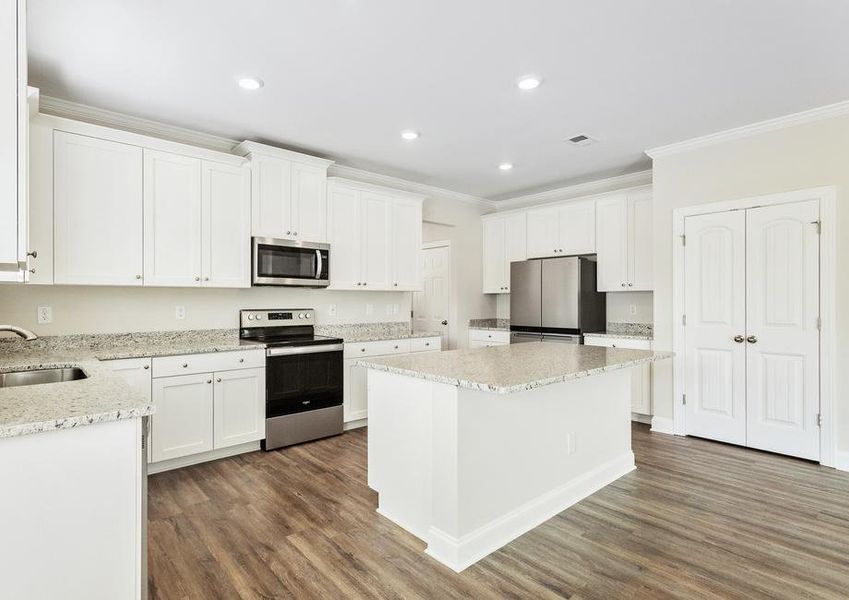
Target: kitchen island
<point>469,449</point>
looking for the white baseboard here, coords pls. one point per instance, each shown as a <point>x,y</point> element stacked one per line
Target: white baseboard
<point>355,424</point>
<point>641,418</point>
<point>662,425</point>
<point>196,459</point>
<point>467,550</point>
<point>841,460</point>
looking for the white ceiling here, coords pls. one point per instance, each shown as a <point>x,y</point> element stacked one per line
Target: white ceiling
<point>344,77</point>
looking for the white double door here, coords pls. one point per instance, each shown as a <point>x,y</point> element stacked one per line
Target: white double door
<point>752,328</point>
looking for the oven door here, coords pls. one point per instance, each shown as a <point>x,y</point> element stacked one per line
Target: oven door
<point>287,262</point>
<point>298,379</point>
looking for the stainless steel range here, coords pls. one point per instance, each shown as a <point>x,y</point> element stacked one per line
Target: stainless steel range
<point>303,375</point>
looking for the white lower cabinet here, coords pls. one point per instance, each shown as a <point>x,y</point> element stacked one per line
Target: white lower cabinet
<point>641,376</point>
<point>136,372</point>
<point>484,338</point>
<point>238,407</point>
<point>355,390</point>
<point>182,423</point>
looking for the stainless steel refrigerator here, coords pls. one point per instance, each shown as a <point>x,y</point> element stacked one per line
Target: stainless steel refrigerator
<point>555,299</point>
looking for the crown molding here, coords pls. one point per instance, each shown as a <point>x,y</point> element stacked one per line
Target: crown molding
<point>590,188</point>
<point>107,118</point>
<point>363,176</point>
<point>799,118</point>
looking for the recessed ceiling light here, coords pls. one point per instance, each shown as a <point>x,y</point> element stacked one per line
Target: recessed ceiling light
<point>250,83</point>
<point>409,134</point>
<point>505,166</point>
<point>528,82</point>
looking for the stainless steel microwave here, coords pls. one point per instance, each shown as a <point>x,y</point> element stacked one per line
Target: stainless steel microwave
<point>290,262</point>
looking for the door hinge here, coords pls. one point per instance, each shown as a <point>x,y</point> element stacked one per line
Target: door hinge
<point>684,240</point>
<point>819,419</point>
<point>684,399</point>
<point>684,320</point>
<point>818,223</point>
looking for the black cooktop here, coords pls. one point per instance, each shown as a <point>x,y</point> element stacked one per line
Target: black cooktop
<point>278,340</point>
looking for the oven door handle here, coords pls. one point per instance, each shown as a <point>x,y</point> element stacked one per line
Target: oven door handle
<point>304,350</point>
<point>320,264</point>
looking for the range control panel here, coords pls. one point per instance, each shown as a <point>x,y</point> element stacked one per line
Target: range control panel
<point>276,318</point>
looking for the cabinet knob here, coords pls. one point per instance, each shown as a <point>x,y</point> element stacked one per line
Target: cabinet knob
<point>33,253</point>
<point>623,285</point>
<point>288,233</point>
<point>197,278</point>
<point>752,339</point>
<point>185,365</point>
<point>146,367</point>
<point>739,339</point>
<point>427,343</point>
<point>209,381</point>
<point>365,283</point>
<point>206,278</point>
<point>294,233</point>
<point>396,347</point>
<point>241,360</point>
<point>396,285</point>
<point>218,380</point>
<point>630,284</point>
<point>362,349</point>
<point>32,271</point>
<point>138,276</point>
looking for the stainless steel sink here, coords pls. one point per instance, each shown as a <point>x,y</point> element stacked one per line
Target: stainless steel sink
<point>18,378</point>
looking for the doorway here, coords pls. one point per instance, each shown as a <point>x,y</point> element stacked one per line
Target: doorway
<point>431,306</point>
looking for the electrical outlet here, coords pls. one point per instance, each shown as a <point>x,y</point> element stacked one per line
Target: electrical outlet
<point>180,312</point>
<point>45,314</point>
<point>332,310</point>
<point>632,309</point>
<point>369,308</point>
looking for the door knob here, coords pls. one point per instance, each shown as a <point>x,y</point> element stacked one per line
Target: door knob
<point>445,322</point>
<point>739,339</point>
<point>752,339</point>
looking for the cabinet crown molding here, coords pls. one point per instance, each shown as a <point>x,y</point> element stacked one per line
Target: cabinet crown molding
<point>370,187</point>
<point>248,148</point>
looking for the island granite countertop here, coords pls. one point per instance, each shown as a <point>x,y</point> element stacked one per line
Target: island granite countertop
<point>513,368</point>
<point>490,324</point>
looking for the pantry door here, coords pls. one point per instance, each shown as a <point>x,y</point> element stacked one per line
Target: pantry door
<point>715,313</point>
<point>782,311</point>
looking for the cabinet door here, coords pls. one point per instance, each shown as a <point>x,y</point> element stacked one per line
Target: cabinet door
<point>576,222</point>
<point>182,423</point>
<point>226,211</point>
<point>172,219</point>
<point>406,249</point>
<point>641,389</point>
<point>355,391</point>
<point>376,241</point>
<point>97,204</point>
<point>612,244</point>
<point>239,407</point>
<point>640,243</point>
<point>345,239</point>
<point>136,372</point>
<point>271,194</point>
<point>515,243</point>
<point>494,256</point>
<point>543,232</point>
<point>309,203</point>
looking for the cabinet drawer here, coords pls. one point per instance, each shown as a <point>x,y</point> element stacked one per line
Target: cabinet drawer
<point>381,348</point>
<point>618,343</point>
<point>186,364</point>
<point>425,344</point>
<point>485,335</point>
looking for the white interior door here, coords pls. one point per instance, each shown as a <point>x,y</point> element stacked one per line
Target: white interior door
<point>431,305</point>
<point>782,308</point>
<point>715,309</point>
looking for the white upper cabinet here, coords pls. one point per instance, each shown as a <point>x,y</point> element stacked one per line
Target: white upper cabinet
<point>375,237</point>
<point>289,193</point>
<point>13,141</point>
<point>503,243</point>
<point>97,211</point>
<point>624,240</point>
<point>561,230</point>
<point>172,219</point>
<point>226,225</point>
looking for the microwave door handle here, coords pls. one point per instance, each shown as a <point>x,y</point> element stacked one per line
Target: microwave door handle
<point>320,264</point>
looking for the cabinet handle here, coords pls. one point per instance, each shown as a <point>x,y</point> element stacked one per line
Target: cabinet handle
<point>623,285</point>
<point>630,284</point>
<point>185,365</point>
<point>294,233</point>
<point>396,347</point>
<point>362,349</point>
<point>288,233</point>
<point>396,285</point>
<point>206,278</point>
<point>33,253</point>
<point>739,339</point>
<point>197,278</point>
<point>209,381</point>
<point>146,367</point>
<point>427,343</point>
<point>365,283</point>
<point>305,401</point>
<point>138,276</point>
<point>218,380</point>
<point>32,271</point>
<point>241,360</point>
<point>752,339</point>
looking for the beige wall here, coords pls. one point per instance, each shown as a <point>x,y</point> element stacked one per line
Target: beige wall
<point>805,156</point>
<point>460,223</point>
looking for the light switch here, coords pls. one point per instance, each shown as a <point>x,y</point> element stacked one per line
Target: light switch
<point>180,312</point>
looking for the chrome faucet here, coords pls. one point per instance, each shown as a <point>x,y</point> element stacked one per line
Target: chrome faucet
<point>24,333</point>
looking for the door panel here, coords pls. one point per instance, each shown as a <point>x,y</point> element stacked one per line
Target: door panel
<point>640,241</point>
<point>406,245</point>
<point>561,280</point>
<point>172,219</point>
<point>515,242</point>
<point>376,240</point>
<point>430,306</point>
<point>494,280</point>
<point>182,423</point>
<point>226,226</point>
<point>345,239</point>
<point>715,308</point>
<point>526,298</point>
<point>577,228</point>
<point>239,407</point>
<point>542,232</point>
<point>309,203</point>
<point>612,244</point>
<point>782,268</point>
<point>271,197</point>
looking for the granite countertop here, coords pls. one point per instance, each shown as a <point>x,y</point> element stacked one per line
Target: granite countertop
<point>621,336</point>
<point>373,332</point>
<point>490,324</point>
<point>102,396</point>
<point>513,368</point>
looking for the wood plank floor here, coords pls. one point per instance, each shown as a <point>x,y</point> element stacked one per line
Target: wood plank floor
<point>697,519</point>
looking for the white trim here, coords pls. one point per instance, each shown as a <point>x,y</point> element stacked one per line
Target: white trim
<point>248,148</point>
<point>352,173</point>
<point>590,188</point>
<point>356,424</point>
<point>841,460</point>
<point>107,118</point>
<point>373,187</point>
<point>662,425</point>
<point>827,197</point>
<point>467,550</point>
<point>791,120</point>
<point>202,457</point>
<point>638,418</point>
